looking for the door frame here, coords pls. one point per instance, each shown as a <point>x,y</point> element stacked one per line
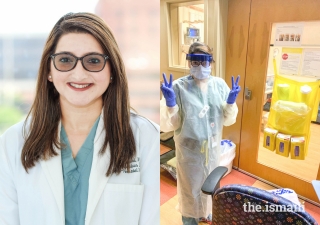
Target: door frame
<point>256,36</point>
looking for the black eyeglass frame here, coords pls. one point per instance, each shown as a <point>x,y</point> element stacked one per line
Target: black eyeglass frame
<point>198,63</point>
<point>78,58</point>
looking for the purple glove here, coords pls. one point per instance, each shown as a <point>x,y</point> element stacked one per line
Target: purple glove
<point>168,91</point>
<point>234,91</point>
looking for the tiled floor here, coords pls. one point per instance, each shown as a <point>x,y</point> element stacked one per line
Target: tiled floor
<point>170,216</point>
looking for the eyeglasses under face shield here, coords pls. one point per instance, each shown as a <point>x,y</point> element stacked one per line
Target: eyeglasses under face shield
<point>197,59</point>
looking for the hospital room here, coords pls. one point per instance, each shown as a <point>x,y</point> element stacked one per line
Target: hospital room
<point>93,65</point>
<point>274,49</point>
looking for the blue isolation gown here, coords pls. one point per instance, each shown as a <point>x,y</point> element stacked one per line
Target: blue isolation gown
<point>76,173</point>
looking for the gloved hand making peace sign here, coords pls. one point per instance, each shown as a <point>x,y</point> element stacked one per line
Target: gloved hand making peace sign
<point>168,91</point>
<point>234,91</point>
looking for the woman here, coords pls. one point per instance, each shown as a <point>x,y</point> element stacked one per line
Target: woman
<point>196,107</point>
<point>81,156</point>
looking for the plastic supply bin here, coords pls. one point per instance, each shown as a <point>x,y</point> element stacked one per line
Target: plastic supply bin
<point>283,144</point>
<point>297,148</point>
<point>287,193</point>
<point>269,138</point>
<point>228,152</point>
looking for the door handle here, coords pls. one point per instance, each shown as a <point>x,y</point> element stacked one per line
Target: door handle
<point>247,93</point>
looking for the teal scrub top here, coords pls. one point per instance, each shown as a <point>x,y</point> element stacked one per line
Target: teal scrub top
<point>76,173</point>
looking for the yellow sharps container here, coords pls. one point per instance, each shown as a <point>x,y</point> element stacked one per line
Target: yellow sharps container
<point>283,144</point>
<point>297,148</point>
<point>269,140</point>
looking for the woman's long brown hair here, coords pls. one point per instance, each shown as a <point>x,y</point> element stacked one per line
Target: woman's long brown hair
<point>45,112</point>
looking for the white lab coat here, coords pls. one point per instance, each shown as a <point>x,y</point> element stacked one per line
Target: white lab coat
<point>37,197</point>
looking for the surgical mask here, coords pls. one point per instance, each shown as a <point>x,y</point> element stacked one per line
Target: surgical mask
<point>200,72</point>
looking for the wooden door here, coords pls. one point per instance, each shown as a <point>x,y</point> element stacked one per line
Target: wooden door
<point>249,28</point>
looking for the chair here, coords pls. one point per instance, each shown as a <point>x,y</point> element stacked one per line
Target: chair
<point>241,204</point>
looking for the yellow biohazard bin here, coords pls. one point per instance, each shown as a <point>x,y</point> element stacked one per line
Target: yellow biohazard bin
<point>269,140</point>
<point>298,148</point>
<point>283,144</point>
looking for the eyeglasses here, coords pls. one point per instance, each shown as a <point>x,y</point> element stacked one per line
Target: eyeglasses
<point>199,59</point>
<point>92,62</point>
<point>197,63</point>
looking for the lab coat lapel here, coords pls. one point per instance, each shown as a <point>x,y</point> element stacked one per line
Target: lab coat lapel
<point>53,171</point>
<point>98,178</point>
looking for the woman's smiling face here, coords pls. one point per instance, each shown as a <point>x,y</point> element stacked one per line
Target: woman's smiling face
<point>79,87</point>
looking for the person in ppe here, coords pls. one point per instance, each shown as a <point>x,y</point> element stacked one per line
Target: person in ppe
<point>196,107</point>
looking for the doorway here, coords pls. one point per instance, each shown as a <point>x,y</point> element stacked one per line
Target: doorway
<point>248,45</point>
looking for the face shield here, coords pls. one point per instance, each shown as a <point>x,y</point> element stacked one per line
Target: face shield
<point>199,59</point>
<point>200,67</point>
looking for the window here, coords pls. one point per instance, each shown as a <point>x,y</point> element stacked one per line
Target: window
<point>186,27</point>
